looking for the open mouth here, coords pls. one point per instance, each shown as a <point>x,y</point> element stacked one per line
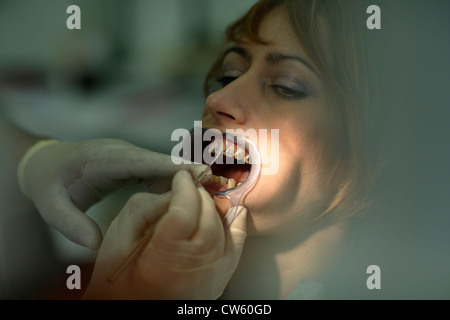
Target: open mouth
<point>231,168</point>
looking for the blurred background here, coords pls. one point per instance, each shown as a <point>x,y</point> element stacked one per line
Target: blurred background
<point>135,71</point>
<point>408,234</point>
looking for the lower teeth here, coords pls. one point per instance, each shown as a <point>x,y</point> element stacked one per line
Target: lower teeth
<point>230,183</point>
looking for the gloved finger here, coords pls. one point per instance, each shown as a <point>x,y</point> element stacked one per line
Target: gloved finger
<point>135,164</point>
<point>83,194</point>
<point>210,233</point>
<point>141,211</point>
<point>60,212</point>
<point>181,220</point>
<point>157,186</point>
<point>205,244</point>
<point>235,236</point>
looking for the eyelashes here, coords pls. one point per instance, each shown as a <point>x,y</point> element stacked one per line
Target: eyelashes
<point>294,91</point>
<point>289,93</point>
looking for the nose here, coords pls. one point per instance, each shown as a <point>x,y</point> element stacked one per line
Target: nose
<point>231,104</point>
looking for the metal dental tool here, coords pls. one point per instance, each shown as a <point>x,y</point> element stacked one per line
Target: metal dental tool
<point>200,177</point>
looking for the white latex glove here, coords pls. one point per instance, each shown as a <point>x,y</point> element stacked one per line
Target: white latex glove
<point>63,179</point>
<point>190,256</point>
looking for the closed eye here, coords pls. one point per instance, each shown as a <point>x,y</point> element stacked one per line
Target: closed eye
<point>289,93</point>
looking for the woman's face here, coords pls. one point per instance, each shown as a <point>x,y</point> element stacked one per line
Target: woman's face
<point>276,86</point>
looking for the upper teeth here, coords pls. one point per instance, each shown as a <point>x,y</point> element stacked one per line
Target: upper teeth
<point>229,153</point>
<point>239,154</point>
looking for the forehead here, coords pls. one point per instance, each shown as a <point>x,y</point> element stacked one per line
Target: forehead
<point>275,29</point>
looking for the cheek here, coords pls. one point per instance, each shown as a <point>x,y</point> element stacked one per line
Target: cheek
<point>316,136</point>
<point>300,191</point>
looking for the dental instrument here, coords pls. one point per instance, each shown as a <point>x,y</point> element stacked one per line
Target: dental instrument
<point>149,234</point>
<point>235,195</point>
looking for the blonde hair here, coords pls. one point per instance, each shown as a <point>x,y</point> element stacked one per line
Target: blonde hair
<point>347,76</point>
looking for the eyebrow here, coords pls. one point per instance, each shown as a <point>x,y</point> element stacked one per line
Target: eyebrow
<point>276,57</point>
<point>272,58</point>
<point>239,50</point>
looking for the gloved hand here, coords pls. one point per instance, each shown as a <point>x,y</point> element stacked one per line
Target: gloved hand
<point>65,178</point>
<point>190,256</point>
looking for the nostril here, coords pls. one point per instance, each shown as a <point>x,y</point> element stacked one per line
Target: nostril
<point>226,115</point>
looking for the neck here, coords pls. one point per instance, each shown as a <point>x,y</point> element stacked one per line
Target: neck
<point>271,266</point>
